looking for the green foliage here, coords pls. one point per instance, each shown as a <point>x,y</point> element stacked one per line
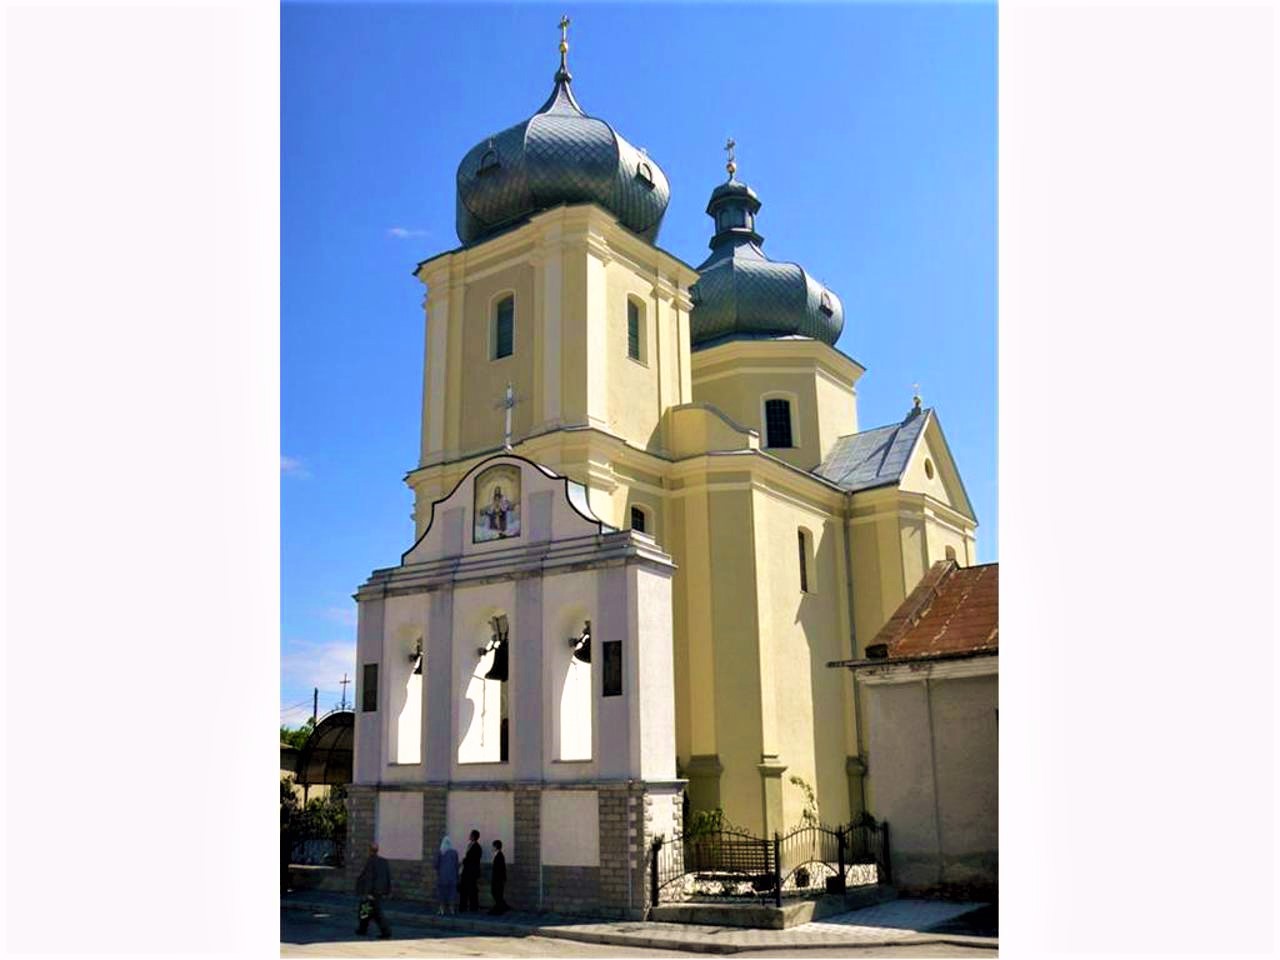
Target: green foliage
<point>809,815</point>
<point>703,823</point>
<point>323,816</point>
<point>296,736</point>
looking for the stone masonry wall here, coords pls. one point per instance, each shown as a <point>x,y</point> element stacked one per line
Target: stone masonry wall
<point>618,887</point>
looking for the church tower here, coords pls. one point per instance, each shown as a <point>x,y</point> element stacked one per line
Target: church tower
<point>559,291</point>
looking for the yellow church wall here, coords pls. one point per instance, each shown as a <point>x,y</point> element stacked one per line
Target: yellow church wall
<point>739,376</point>
<point>800,633</point>
<point>635,408</point>
<point>485,381</point>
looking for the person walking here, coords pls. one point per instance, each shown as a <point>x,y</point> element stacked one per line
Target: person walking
<point>372,885</point>
<point>447,876</point>
<point>498,879</point>
<point>470,886</point>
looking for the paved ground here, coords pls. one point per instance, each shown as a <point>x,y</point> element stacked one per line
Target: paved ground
<point>304,934</point>
<point>316,924</point>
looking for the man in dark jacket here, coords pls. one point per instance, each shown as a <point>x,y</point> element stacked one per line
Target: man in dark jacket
<point>469,886</point>
<point>498,879</point>
<point>373,884</point>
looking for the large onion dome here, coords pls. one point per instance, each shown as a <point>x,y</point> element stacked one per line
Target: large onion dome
<point>741,292</point>
<point>559,155</point>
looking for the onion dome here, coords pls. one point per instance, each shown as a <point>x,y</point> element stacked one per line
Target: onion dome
<point>741,292</point>
<point>559,155</point>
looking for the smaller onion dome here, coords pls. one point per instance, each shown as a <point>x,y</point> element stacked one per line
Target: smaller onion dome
<point>559,155</point>
<point>741,292</point>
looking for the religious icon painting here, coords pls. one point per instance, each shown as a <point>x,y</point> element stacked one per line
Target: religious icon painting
<point>497,504</point>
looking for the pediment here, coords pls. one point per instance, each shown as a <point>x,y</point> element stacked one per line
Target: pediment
<point>505,502</point>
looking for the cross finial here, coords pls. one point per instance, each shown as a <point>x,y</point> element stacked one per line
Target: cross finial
<point>564,42</point>
<point>731,166</point>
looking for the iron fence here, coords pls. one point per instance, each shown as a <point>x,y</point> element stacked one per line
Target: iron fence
<point>728,863</point>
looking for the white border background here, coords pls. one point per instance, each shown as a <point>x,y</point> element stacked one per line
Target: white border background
<point>1137,462</point>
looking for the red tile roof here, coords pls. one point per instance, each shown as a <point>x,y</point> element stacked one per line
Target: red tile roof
<point>953,610</point>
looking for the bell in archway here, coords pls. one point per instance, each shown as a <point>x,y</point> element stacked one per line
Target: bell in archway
<point>582,645</point>
<point>498,669</point>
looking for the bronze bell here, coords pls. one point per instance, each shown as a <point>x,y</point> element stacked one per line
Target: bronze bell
<point>582,645</point>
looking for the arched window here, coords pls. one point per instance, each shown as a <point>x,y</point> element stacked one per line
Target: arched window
<point>484,724</point>
<point>951,553</point>
<point>805,539</point>
<point>644,173</point>
<point>777,423</point>
<point>504,327</point>
<point>635,330</point>
<point>824,304</point>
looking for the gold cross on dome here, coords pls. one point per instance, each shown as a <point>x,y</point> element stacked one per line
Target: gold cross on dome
<point>564,27</point>
<point>731,166</point>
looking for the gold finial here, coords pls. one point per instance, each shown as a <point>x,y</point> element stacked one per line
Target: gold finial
<point>731,166</point>
<point>915,399</point>
<point>564,36</point>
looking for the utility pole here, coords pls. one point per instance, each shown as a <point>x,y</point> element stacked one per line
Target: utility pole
<point>315,704</point>
<point>345,681</point>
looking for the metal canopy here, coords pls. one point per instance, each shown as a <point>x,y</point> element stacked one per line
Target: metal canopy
<point>326,756</point>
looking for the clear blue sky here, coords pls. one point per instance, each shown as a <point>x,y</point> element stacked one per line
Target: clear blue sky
<point>868,130</point>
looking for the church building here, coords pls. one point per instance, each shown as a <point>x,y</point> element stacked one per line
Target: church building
<point>670,457</point>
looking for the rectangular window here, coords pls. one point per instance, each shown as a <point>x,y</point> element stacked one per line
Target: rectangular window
<point>637,519</point>
<point>369,688</point>
<point>804,564</point>
<point>611,668</point>
<point>633,330</point>
<point>504,329</point>
<point>777,423</point>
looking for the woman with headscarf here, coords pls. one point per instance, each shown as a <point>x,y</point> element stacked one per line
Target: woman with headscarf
<point>447,876</point>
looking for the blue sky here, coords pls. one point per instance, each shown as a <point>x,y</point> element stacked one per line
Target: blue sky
<point>868,130</point>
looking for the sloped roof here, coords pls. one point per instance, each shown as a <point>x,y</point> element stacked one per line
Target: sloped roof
<point>953,610</point>
<point>873,458</point>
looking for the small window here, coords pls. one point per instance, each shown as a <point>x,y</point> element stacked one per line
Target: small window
<point>928,468</point>
<point>951,553</point>
<point>488,160</point>
<point>633,330</point>
<point>504,320</point>
<point>777,417</point>
<point>637,519</point>
<point>824,304</point>
<point>644,173</point>
<point>369,688</point>
<point>611,679</point>
<point>803,538</point>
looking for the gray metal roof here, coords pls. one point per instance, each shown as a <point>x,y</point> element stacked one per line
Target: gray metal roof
<point>873,458</point>
<point>559,155</point>
<point>741,291</point>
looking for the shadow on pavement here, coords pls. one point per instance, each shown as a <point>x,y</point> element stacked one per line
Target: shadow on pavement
<point>301,927</point>
<point>983,922</point>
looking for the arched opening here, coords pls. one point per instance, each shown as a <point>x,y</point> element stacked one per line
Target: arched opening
<point>484,720</point>
<point>503,334</point>
<point>778,428</point>
<point>575,721</point>
<point>409,723</point>
<point>635,330</point>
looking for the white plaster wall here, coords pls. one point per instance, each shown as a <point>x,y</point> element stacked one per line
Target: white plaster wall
<point>570,828</point>
<point>568,600</point>
<point>404,624</point>
<point>398,827</point>
<point>492,812</point>
<point>966,742</point>
<point>655,708</point>
<point>900,765</point>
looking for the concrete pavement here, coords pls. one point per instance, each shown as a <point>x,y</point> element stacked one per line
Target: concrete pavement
<point>896,923</point>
